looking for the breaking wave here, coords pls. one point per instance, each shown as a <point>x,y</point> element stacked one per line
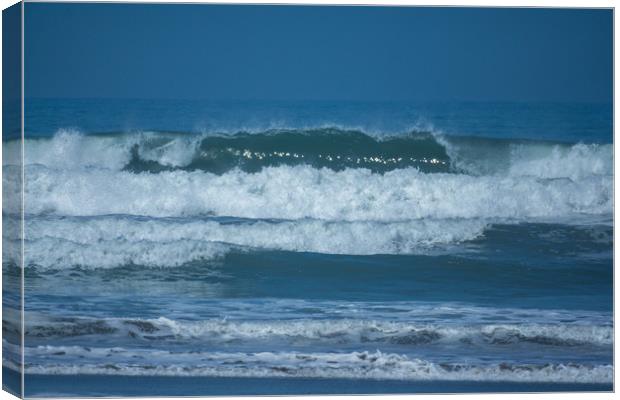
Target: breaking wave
<point>332,148</point>
<point>287,192</point>
<point>113,241</point>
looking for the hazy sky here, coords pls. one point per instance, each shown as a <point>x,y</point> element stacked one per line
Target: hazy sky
<point>323,53</point>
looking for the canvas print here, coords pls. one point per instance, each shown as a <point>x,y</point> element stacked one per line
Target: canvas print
<point>264,200</point>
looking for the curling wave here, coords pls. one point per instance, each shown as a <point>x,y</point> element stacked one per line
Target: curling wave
<point>217,153</point>
<point>332,148</point>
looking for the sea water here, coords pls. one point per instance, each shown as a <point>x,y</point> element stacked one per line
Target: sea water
<point>199,247</point>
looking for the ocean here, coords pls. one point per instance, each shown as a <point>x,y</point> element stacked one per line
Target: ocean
<point>221,248</point>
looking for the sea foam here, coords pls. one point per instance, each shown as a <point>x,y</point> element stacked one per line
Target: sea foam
<point>354,365</point>
<point>106,242</point>
<point>321,331</point>
<point>304,192</point>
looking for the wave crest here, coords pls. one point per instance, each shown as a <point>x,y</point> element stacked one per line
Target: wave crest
<point>115,241</point>
<point>325,147</point>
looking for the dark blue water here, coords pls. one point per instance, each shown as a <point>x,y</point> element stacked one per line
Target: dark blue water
<point>572,122</point>
<point>371,242</point>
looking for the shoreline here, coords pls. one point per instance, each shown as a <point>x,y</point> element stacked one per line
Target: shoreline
<point>120,385</point>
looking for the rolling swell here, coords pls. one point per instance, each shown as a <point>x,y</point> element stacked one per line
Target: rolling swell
<point>331,148</point>
<point>154,152</point>
<point>320,148</point>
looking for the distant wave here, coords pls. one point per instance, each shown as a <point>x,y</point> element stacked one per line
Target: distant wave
<point>332,148</point>
<point>218,153</point>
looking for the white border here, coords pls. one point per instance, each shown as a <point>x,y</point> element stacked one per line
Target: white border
<point>476,3</point>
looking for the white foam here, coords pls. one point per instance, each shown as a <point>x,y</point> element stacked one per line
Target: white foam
<point>412,314</point>
<point>360,330</point>
<point>175,151</point>
<point>480,156</point>
<point>304,192</point>
<point>117,241</point>
<point>70,149</point>
<point>354,365</point>
<point>341,328</point>
<point>59,254</point>
<point>11,237</point>
<point>574,162</point>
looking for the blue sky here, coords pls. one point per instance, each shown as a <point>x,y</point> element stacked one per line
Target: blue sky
<point>317,53</point>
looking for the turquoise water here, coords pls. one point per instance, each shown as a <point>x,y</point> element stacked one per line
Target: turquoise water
<point>399,245</point>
